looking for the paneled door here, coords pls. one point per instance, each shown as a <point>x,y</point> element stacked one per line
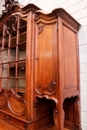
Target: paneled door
<point>46,69</point>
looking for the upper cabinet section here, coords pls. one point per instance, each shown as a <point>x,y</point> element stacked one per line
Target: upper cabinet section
<point>20,27</point>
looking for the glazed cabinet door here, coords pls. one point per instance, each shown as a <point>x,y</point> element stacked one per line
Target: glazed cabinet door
<point>46,59</point>
<point>13,54</point>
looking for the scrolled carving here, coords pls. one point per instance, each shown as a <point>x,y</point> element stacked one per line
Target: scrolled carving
<point>8,5</point>
<point>11,24</point>
<point>49,90</point>
<point>36,17</point>
<point>51,86</point>
<point>13,102</point>
<point>40,28</point>
<point>19,108</point>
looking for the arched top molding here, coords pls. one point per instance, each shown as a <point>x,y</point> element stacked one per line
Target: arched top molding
<point>12,7</point>
<point>59,12</point>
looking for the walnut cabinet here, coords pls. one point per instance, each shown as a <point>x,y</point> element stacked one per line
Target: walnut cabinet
<point>39,69</point>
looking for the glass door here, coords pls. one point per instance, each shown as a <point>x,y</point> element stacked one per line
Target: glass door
<point>13,54</point>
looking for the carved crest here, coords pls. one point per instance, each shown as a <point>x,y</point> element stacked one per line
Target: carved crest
<point>8,5</point>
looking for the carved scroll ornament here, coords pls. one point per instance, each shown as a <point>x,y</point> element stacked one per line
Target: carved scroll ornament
<point>40,28</point>
<point>13,102</point>
<point>49,90</point>
<point>8,5</point>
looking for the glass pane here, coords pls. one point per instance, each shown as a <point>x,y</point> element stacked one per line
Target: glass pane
<point>21,84</point>
<point>4,70</point>
<point>5,56</point>
<point>22,37</point>
<point>12,83</point>
<point>13,54</point>
<point>5,32</point>
<point>13,41</point>
<point>23,22</point>
<point>21,70</point>
<point>12,70</point>
<point>21,51</point>
<point>4,83</point>
<point>6,41</point>
<point>23,29</point>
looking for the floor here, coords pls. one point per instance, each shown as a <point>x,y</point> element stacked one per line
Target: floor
<point>53,128</point>
<point>2,127</point>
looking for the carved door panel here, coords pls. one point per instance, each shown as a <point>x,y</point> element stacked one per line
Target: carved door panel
<point>46,59</point>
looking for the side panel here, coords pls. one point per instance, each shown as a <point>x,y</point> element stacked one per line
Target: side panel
<point>70,58</point>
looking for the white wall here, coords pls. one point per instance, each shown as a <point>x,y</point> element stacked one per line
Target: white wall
<point>78,9</point>
<point>1,6</point>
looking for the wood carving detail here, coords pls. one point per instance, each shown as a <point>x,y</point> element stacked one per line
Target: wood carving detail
<point>40,28</point>
<point>36,17</point>
<point>19,108</point>
<point>11,24</point>
<point>50,90</point>
<point>8,5</point>
<point>13,102</point>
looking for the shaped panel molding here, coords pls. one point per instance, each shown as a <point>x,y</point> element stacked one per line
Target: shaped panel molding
<point>13,102</point>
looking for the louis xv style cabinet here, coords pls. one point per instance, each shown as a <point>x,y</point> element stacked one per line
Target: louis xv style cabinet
<point>39,69</point>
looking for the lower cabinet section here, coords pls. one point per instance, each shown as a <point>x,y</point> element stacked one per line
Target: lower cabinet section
<point>39,123</point>
<point>13,122</point>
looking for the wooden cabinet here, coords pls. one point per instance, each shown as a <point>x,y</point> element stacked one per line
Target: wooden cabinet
<point>39,69</point>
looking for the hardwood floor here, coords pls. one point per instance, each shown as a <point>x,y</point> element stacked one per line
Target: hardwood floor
<point>2,127</point>
<point>53,128</point>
